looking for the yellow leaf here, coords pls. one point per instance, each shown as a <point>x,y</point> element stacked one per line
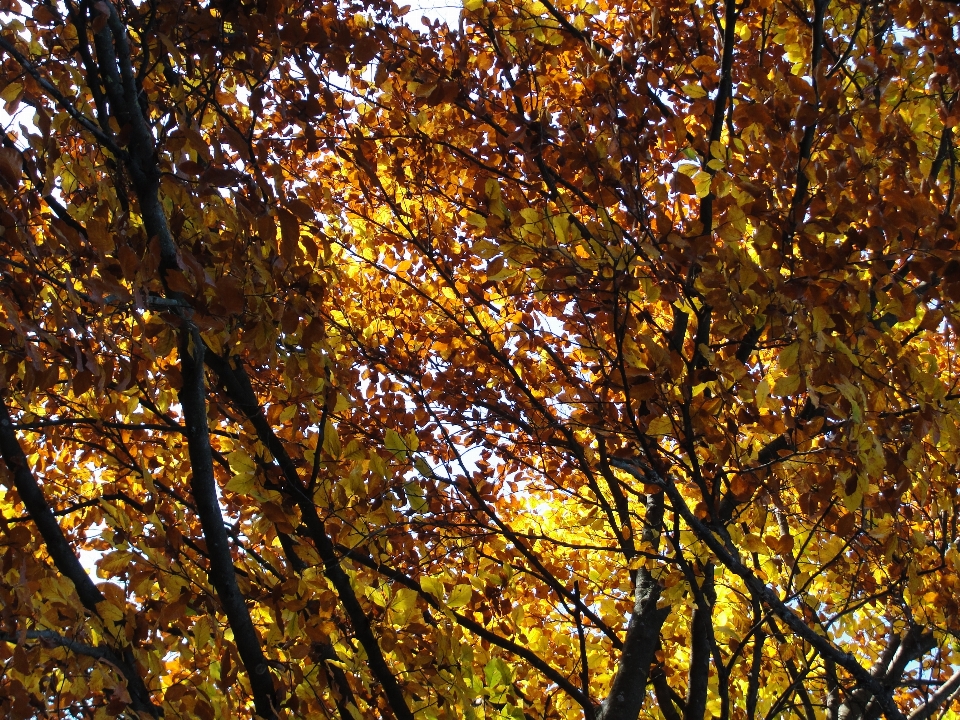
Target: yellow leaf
<point>422,467</point>
<point>411,440</point>
<point>242,483</point>
<point>694,90</point>
<point>115,562</point>
<point>485,249</point>
<point>403,604</point>
<point>415,496</point>
<point>394,443</point>
<point>10,91</point>
<point>378,466</point>
<point>754,543</point>
<point>240,461</point>
<point>432,586</point>
<point>788,356</point>
<point>763,392</point>
<point>821,319</point>
<point>109,611</point>
<point>660,426</point>
<point>705,63</point>
<point>476,220</point>
<point>786,385</point>
<point>201,631</point>
<point>702,181</point>
<point>331,440</point>
<point>460,596</point>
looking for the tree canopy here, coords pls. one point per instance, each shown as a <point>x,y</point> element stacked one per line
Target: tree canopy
<point>580,360</point>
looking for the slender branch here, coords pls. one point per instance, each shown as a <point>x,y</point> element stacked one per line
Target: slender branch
<point>806,144</point>
<point>236,383</point>
<point>756,664</point>
<point>588,709</point>
<point>476,628</point>
<point>946,693</point>
<point>667,699</point>
<point>78,648</point>
<point>730,559</point>
<point>61,552</point>
<point>61,100</point>
<point>724,95</point>
<point>94,422</point>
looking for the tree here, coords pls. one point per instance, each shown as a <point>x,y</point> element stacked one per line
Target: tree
<point>585,360</point>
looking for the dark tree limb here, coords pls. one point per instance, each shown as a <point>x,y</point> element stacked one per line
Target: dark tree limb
<point>944,695</point>
<point>203,487</point>
<point>944,150</point>
<point>115,69</point>
<point>629,687</point>
<point>888,670</point>
<point>589,711</point>
<point>473,626</point>
<point>730,558</point>
<point>756,663</point>
<point>667,699</point>
<point>63,555</point>
<point>52,638</point>
<point>809,132</point>
<point>236,384</point>
<point>60,99</point>
<point>701,633</point>
<point>832,699</point>
<point>724,96</point>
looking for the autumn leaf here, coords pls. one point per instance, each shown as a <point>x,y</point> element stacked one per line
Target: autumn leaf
<point>615,375</point>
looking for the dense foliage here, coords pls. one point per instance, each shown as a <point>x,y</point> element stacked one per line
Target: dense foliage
<point>584,360</point>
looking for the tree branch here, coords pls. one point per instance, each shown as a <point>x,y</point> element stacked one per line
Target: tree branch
<point>730,559</point>
<point>60,99</point>
<point>236,383</point>
<point>946,693</point>
<point>116,70</point>
<point>62,553</point>
<point>629,686</point>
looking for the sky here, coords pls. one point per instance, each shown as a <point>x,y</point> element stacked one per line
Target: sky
<point>444,10</point>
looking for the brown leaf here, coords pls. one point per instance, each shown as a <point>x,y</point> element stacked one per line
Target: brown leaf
<point>172,612</point>
<point>82,382</point>
<point>301,209</point>
<point>845,524</point>
<point>221,177</point>
<point>21,662</point>
<point>267,229</point>
<point>178,282</point>
<point>129,262</point>
<point>230,296</point>
<point>236,141</point>
<point>289,234</point>
<point>99,233</point>
<point>189,167</point>
<point>11,166</point>
<point>683,184</point>
<point>19,536</point>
